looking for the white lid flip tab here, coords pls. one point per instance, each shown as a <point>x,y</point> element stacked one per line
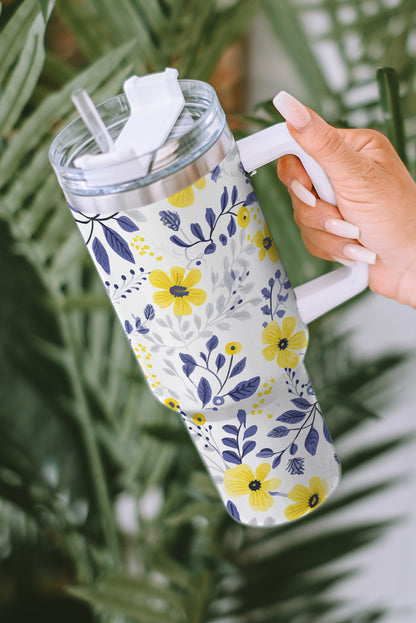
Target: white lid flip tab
<point>156,102</point>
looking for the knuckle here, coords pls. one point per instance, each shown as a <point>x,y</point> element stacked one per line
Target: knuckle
<point>287,168</point>
<point>378,139</point>
<point>329,142</point>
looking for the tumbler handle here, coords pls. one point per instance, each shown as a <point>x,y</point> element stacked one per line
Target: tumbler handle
<point>320,295</point>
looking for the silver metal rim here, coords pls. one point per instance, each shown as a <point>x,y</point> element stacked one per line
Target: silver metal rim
<point>160,189</point>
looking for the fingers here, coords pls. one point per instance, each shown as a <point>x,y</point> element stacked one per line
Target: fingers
<point>335,248</point>
<point>290,168</point>
<point>324,216</point>
<point>325,233</point>
<point>320,140</point>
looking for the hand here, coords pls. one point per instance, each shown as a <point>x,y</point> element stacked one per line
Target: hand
<point>375,217</point>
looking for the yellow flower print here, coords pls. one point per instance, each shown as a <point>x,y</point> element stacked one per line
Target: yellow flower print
<point>264,242</point>
<point>305,499</point>
<point>243,217</point>
<point>177,289</point>
<point>240,480</point>
<point>199,419</point>
<point>186,197</point>
<point>233,348</point>
<point>282,342</point>
<point>172,403</point>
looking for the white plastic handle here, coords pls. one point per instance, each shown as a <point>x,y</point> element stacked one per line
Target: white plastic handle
<point>322,294</point>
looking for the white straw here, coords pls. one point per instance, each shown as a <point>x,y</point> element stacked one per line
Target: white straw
<point>90,116</point>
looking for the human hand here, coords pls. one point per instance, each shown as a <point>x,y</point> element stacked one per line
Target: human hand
<point>375,217</point>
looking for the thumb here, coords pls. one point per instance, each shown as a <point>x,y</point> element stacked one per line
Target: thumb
<point>319,139</point>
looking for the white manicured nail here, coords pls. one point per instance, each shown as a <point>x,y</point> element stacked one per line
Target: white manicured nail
<point>341,260</point>
<point>341,228</point>
<point>359,254</point>
<point>303,193</point>
<point>292,110</point>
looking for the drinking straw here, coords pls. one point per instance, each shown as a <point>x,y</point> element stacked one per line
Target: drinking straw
<point>90,116</point>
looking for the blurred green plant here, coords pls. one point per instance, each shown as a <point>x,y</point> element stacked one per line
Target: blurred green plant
<point>101,492</point>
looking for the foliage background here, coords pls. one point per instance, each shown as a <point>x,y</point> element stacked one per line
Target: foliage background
<point>102,497</point>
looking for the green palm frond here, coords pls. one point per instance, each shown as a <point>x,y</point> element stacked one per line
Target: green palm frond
<point>337,49</point>
<point>188,34</point>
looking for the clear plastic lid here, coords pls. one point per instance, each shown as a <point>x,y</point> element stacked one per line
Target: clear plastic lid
<point>198,127</point>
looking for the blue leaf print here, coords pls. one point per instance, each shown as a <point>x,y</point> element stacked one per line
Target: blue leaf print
<point>251,198</point>
<point>127,327</point>
<point>231,457</point>
<point>178,241</point>
<point>203,357</point>
<point>248,447</point>
<point>311,441</point>
<point>326,433</point>
<point>291,417</point>
<point>293,449</point>
<point>149,312</point>
<point>170,219</point>
<point>137,322</point>
<point>238,368</point>
<point>230,442</point>
<point>220,361</point>
<point>279,431</point>
<point>143,330</point>
<point>266,293</point>
<point>231,508</point>
<point>212,343</point>
<point>224,199</point>
<point>301,403</point>
<point>204,391</point>
<point>215,173</point>
<point>234,195</point>
<point>251,430</point>
<point>296,466</point>
<point>210,217</point>
<point>197,231</point>
<point>287,285</point>
<point>276,461</point>
<point>241,415</point>
<point>188,369</point>
<point>101,255</point>
<point>231,227</point>
<point>280,313</point>
<point>210,249</point>
<point>230,429</point>
<point>188,359</point>
<point>126,223</point>
<point>117,243</point>
<point>266,310</point>
<point>223,240</point>
<point>265,453</point>
<point>245,389</point>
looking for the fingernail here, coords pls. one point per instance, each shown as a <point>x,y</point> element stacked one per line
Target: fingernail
<point>341,260</point>
<point>359,254</point>
<point>303,193</point>
<point>292,110</point>
<point>341,228</point>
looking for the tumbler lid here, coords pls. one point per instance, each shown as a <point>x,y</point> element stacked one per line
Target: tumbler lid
<point>195,145</point>
<point>156,102</point>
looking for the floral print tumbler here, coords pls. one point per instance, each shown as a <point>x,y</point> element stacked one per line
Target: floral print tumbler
<point>195,277</point>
